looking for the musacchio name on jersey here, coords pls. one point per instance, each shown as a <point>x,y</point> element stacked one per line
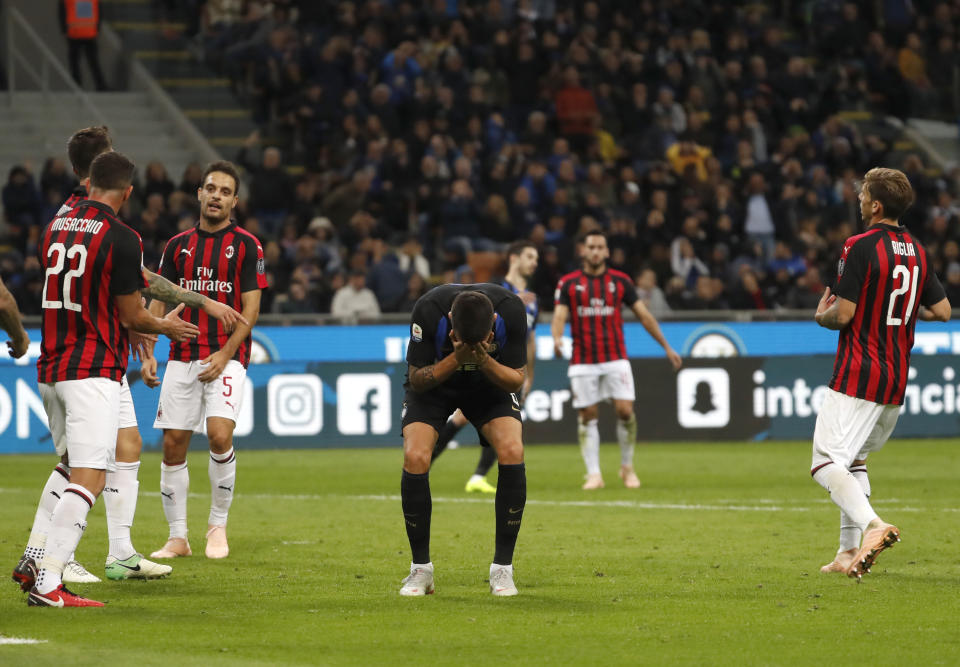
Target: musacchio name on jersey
<point>222,266</point>
<point>88,256</point>
<point>887,273</point>
<point>596,322</point>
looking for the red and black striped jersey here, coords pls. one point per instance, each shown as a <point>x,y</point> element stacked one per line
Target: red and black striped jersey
<point>89,256</point>
<point>887,273</point>
<point>596,322</point>
<point>78,195</point>
<point>221,265</point>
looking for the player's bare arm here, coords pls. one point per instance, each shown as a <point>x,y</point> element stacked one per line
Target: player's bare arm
<point>425,378</point>
<point>161,289</point>
<point>834,312</point>
<point>938,312</point>
<point>531,361</point>
<point>560,315</point>
<point>217,361</point>
<point>12,324</point>
<point>650,323</point>
<point>137,318</point>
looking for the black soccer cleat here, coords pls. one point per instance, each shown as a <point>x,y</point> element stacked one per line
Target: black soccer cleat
<point>25,573</point>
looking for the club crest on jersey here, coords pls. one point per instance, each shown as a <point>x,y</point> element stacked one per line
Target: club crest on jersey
<point>611,288</point>
<point>416,333</point>
<point>228,253</point>
<point>261,266</point>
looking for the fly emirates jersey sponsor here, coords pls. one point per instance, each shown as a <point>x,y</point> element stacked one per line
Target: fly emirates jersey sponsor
<point>221,265</point>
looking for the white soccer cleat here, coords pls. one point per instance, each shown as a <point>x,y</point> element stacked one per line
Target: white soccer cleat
<point>75,573</point>
<point>419,582</point>
<point>501,580</point>
<point>134,567</point>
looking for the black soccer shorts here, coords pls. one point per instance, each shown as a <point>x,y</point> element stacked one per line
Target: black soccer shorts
<point>435,407</point>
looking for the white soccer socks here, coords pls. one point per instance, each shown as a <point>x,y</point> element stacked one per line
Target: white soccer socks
<point>627,437</point>
<point>589,436</point>
<point>223,475</point>
<point>52,492</point>
<point>174,486</point>
<point>66,528</point>
<point>847,492</point>
<point>120,499</point>
<point>850,533</point>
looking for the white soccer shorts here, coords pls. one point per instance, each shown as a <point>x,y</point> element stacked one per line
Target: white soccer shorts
<point>594,383</point>
<point>849,428</point>
<point>83,416</point>
<point>128,415</point>
<point>186,402</point>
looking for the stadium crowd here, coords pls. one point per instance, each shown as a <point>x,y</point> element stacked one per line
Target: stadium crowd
<point>711,141</point>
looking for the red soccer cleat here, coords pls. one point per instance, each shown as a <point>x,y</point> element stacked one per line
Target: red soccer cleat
<point>59,597</point>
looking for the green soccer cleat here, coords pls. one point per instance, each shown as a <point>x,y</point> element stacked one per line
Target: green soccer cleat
<point>135,567</point>
<point>477,484</point>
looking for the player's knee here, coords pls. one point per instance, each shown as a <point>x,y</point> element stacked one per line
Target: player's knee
<point>588,414</point>
<point>129,445</point>
<point>510,452</point>
<point>220,443</point>
<point>625,414</point>
<point>416,460</point>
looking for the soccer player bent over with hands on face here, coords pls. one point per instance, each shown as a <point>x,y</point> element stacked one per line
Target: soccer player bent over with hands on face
<point>468,351</point>
<point>884,284</point>
<point>90,299</point>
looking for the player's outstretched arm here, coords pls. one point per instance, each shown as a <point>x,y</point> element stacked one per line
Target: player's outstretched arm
<point>560,314</point>
<point>137,318</point>
<point>217,361</point>
<point>163,290</point>
<point>12,324</point>
<point>650,323</point>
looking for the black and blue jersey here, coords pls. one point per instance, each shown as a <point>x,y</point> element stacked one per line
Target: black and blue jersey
<point>430,332</point>
<point>530,303</point>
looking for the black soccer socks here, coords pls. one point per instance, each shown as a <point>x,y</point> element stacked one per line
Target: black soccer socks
<point>488,456</point>
<point>511,498</point>
<point>417,507</point>
<point>447,431</point>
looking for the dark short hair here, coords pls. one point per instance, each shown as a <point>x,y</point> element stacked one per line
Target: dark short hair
<point>595,232</point>
<point>223,167</point>
<point>517,247</point>
<point>472,315</point>
<point>85,145</point>
<point>891,188</point>
<point>111,171</point>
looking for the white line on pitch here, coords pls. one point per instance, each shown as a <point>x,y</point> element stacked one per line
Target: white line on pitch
<point>20,640</point>
<point>785,505</point>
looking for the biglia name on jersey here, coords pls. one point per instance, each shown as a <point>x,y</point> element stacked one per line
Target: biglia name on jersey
<point>205,282</point>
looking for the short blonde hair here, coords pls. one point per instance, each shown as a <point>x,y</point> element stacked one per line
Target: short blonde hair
<point>891,188</point>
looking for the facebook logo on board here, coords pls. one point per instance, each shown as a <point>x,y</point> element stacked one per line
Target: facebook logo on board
<point>364,404</point>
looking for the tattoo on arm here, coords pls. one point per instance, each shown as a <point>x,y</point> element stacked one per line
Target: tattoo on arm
<point>163,290</point>
<point>423,378</point>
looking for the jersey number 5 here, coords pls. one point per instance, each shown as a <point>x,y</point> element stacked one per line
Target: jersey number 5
<point>56,266</point>
<point>909,285</point>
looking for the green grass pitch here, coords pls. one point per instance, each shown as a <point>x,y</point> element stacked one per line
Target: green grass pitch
<point>714,561</point>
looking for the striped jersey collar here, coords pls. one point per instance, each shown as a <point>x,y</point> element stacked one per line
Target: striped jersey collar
<point>217,233</point>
